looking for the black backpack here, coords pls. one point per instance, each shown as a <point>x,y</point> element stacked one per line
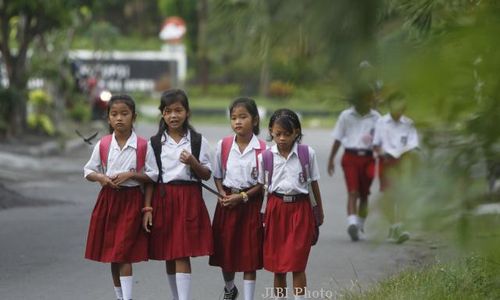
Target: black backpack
<point>195,150</point>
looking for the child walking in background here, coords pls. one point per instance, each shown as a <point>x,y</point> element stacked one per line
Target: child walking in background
<point>354,130</point>
<point>395,137</point>
<point>180,224</point>
<point>120,162</point>
<point>237,225</point>
<point>289,169</point>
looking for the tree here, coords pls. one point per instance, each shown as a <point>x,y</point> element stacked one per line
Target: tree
<point>21,23</point>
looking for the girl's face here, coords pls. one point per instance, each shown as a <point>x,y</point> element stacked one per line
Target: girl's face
<point>284,139</point>
<point>121,117</point>
<point>175,115</point>
<point>242,122</point>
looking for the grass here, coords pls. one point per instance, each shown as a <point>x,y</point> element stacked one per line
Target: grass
<point>473,277</point>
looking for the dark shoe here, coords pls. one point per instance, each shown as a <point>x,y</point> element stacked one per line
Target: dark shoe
<point>352,230</point>
<point>230,295</point>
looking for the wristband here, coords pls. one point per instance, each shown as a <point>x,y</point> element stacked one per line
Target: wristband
<point>245,197</point>
<point>147,209</point>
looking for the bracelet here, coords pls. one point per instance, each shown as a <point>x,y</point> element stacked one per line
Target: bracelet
<point>245,197</point>
<point>147,209</point>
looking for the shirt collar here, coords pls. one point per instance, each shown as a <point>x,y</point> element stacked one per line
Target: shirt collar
<point>274,149</point>
<point>253,144</point>
<point>185,138</point>
<point>131,141</point>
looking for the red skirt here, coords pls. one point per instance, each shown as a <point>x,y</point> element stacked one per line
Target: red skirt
<point>359,172</point>
<point>115,231</point>
<point>181,225</point>
<point>238,235</point>
<point>288,235</point>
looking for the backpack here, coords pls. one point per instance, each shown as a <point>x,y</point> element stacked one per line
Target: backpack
<point>303,154</point>
<point>227,143</point>
<point>142,146</point>
<point>156,145</point>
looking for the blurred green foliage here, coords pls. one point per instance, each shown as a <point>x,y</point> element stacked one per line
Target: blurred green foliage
<point>39,107</point>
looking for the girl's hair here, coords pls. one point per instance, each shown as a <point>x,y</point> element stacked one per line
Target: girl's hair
<point>168,98</point>
<point>287,119</point>
<point>251,107</point>
<point>125,99</point>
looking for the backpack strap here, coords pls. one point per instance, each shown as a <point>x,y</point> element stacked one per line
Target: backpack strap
<point>226,145</point>
<point>156,145</point>
<point>104,150</point>
<point>142,148</point>
<point>303,153</point>
<point>195,149</point>
<point>267,162</point>
<point>258,151</point>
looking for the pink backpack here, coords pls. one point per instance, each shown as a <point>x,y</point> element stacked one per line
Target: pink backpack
<point>227,143</point>
<point>142,146</point>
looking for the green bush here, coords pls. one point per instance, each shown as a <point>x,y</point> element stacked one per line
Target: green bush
<point>80,111</point>
<point>39,108</point>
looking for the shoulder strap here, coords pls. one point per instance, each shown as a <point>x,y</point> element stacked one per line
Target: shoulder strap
<point>267,159</point>
<point>226,145</point>
<point>104,150</point>
<point>259,151</point>
<point>142,148</point>
<point>156,145</point>
<point>195,144</point>
<point>303,152</point>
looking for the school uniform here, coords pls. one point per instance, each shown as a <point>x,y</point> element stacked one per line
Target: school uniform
<point>355,132</point>
<point>115,232</point>
<point>181,224</point>
<point>238,231</point>
<point>288,233</point>
<point>395,138</point>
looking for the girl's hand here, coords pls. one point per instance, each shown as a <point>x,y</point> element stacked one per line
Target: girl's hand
<point>147,221</point>
<point>321,218</point>
<point>331,167</point>
<point>187,158</point>
<point>107,181</point>
<point>221,200</point>
<point>122,177</point>
<point>232,200</point>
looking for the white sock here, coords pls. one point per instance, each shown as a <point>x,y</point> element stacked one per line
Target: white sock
<point>352,220</point>
<point>249,289</point>
<point>118,292</point>
<point>229,285</point>
<point>361,223</point>
<point>126,282</point>
<point>183,281</point>
<point>173,286</point>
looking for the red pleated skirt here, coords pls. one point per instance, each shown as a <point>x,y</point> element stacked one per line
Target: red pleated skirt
<point>238,237</point>
<point>115,232</point>
<point>288,235</point>
<point>181,224</point>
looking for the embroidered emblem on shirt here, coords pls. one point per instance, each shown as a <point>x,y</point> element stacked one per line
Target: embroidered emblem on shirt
<point>404,140</point>
<point>254,173</point>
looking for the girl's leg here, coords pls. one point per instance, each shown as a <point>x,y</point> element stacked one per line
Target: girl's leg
<point>280,291</point>
<point>299,285</point>
<point>352,215</point>
<point>183,277</point>
<point>230,290</point>
<point>170,266</point>
<point>115,272</point>
<point>249,284</point>
<point>126,280</point>
<point>362,212</point>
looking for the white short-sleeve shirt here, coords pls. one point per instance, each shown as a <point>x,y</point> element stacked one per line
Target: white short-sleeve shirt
<point>287,178</point>
<point>355,131</point>
<point>172,167</point>
<point>395,137</point>
<point>122,160</point>
<point>242,168</point>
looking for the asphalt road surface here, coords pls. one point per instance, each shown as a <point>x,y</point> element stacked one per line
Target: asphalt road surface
<point>42,246</point>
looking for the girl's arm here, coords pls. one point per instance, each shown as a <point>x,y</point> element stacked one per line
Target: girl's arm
<point>102,179</point>
<point>220,189</point>
<point>200,170</point>
<point>235,199</point>
<point>140,177</point>
<point>317,196</point>
<point>147,218</point>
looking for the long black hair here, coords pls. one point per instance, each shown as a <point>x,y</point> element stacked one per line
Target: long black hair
<point>251,107</point>
<point>287,119</point>
<point>168,98</point>
<point>126,99</point>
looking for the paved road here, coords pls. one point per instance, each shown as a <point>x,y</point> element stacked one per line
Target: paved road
<point>41,250</point>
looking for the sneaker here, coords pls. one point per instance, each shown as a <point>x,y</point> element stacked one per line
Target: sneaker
<point>230,295</point>
<point>403,237</point>
<point>352,230</point>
